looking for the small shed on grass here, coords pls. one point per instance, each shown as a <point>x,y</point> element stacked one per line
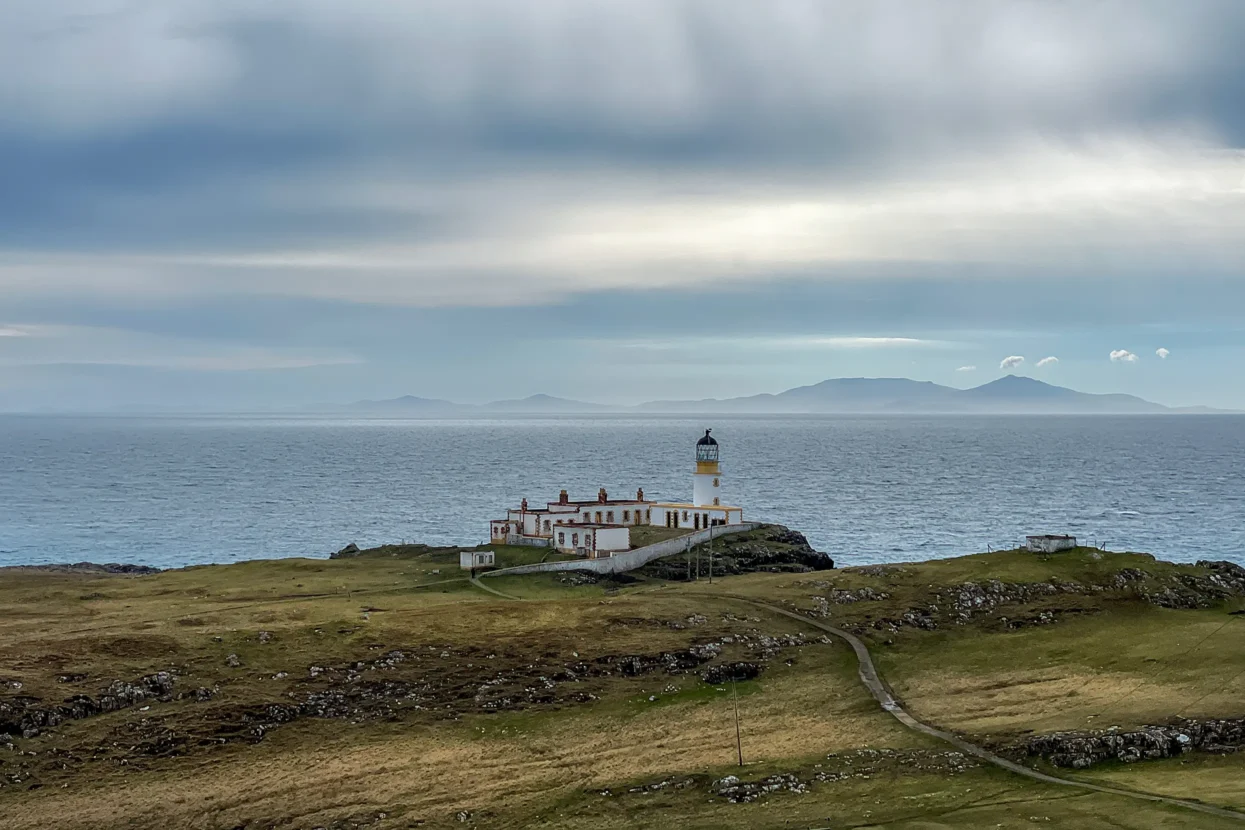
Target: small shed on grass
<point>1049,544</point>
<point>469,560</point>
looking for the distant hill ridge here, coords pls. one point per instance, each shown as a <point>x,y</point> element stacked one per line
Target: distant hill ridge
<point>1013,394</point>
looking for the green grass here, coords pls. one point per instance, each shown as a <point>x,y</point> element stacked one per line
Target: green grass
<point>643,535</point>
<point>541,766</point>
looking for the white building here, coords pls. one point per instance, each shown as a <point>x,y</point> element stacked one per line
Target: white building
<point>602,527</point>
<point>1049,544</point>
<point>469,560</point>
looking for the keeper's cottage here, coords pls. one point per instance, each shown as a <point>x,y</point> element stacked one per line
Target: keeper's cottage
<point>602,526</point>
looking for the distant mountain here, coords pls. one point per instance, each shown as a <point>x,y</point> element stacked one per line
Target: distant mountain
<point>1013,394</point>
<point>544,404</point>
<point>536,405</point>
<point>1017,393</point>
<point>409,404</point>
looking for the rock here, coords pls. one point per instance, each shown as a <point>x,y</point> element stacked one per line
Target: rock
<point>742,792</point>
<point>24,716</point>
<point>840,596</point>
<point>1081,750</point>
<point>232,661</point>
<point>345,553</point>
<point>728,672</point>
<point>117,568</point>
<point>265,637</point>
<point>577,578</point>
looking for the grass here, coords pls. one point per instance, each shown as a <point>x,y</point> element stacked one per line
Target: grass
<point>643,535</point>
<point>1214,779</point>
<point>543,762</point>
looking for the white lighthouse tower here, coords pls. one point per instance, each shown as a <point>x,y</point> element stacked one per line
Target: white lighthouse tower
<point>708,478</point>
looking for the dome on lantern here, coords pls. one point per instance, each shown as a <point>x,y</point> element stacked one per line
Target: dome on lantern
<point>707,448</point>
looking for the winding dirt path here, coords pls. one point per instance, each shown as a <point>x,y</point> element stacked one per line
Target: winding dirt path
<point>475,580</point>
<point>873,682</point>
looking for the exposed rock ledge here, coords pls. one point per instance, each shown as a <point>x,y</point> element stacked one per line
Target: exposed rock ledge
<point>87,568</point>
<point>1080,750</point>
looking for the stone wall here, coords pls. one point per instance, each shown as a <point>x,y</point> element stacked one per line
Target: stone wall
<point>629,561</point>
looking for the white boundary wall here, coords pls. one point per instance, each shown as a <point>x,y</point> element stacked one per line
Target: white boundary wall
<point>629,561</point>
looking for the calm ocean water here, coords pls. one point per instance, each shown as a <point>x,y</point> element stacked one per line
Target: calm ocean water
<point>172,491</point>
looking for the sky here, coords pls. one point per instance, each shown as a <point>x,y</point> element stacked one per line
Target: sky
<point>227,205</point>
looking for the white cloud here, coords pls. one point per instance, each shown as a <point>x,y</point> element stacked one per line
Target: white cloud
<point>13,332</point>
<point>1123,356</point>
<point>856,342</point>
<point>1047,361</point>
<point>967,369</point>
<point>1163,353</point>
<point>1011,362</point>
<point>793,342</point>
<point>547,242</point>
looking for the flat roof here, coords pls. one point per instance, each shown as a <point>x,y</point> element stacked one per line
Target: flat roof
<point>697,506</point>
<point>590,525</point>
<point>594,501</point>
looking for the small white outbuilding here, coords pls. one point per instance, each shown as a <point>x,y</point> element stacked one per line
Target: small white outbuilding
<point>1049,544</point>
<point>469,560</point>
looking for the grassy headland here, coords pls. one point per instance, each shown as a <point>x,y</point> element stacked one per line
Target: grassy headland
<point>385,691</point>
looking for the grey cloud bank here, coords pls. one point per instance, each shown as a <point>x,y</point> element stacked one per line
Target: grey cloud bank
<point>530,175</point>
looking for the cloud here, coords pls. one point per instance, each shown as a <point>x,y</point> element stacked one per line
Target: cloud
<point>597,147</point>
<point>1011,362</point>
<point>751,342</point>
<point>1047,361</point>
<point>1163,353</point>
<point>68,345</point>
<point>1123,356</point>
<point>617,167</point>
<point>13,332</point>
<point>967,369</point>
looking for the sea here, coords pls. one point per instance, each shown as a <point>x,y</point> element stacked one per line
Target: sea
<point>171,491</point>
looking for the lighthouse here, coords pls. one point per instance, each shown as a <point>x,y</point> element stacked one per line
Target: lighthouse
<point>708,477</point>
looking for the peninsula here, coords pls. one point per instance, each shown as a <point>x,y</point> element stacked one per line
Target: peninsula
<point>387,688</point>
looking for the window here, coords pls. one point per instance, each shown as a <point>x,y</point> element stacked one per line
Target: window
<point>626,516</point>
<point>547,527</point>
<point>648,515</point>
<point>561,539</point>
<point>598,517</point>
<point>716,501</point>
<point>685,515</point>
<point>575,539</point>
<point>715,482</point>
<point>609,517</point>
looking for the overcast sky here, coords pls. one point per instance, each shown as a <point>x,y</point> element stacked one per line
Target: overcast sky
<point>227,204</point>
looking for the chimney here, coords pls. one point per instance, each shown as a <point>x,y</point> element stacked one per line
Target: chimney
<point>601,497</point>
<point>639,494</point>
<point>523,505</point>
<point>563,498</point>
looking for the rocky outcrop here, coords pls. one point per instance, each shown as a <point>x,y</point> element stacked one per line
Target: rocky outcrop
<point>768,549</point>
<point>111,568</point>
<point>26,717</point>
<point>1080,750</point>
<point>730,673</point>
<point>349,552</point>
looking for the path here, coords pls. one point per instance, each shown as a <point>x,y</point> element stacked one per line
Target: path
<point>873,682</point>
<point>475,580</point>
<point>869,676</point>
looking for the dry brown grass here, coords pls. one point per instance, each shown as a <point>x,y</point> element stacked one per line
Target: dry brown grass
<point>537,768</point>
